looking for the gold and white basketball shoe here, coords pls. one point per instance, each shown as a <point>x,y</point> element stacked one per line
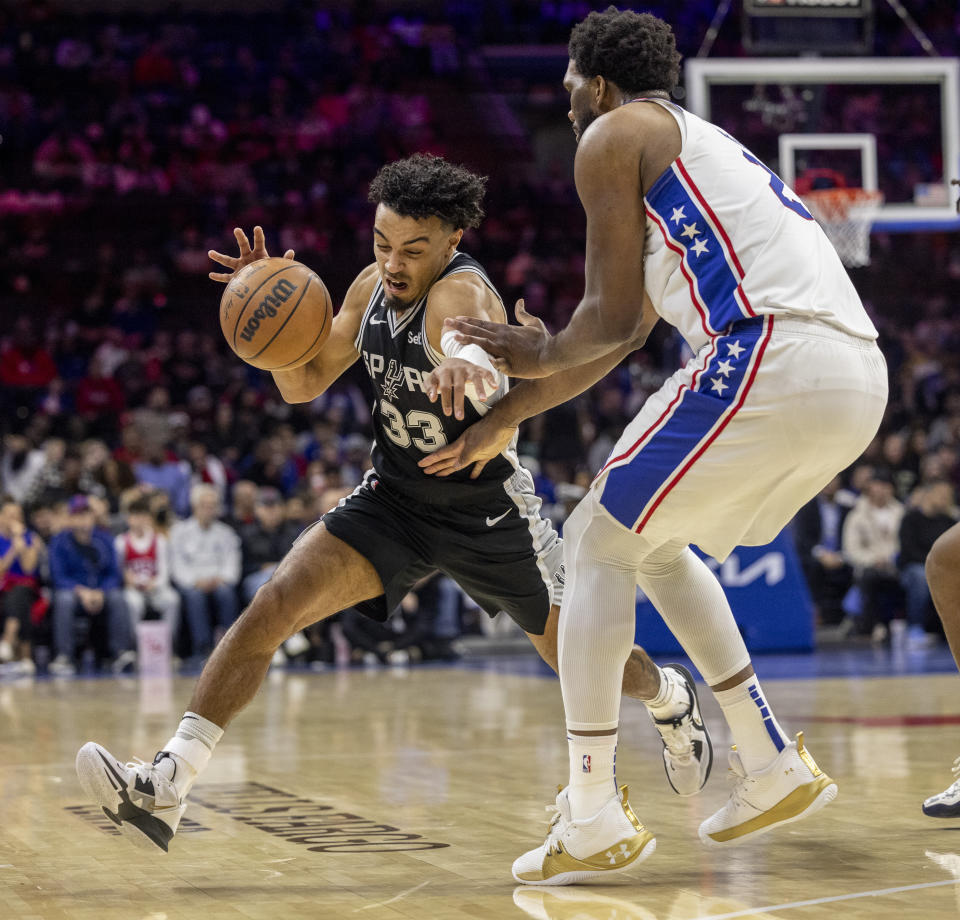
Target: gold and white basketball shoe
<point>791,788</point>
<point>611,841</point>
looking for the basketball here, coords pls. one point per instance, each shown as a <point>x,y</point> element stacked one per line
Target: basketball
<point>276,314</point>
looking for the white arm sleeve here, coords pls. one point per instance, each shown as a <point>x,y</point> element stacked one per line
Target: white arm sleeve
<point>451,348</point>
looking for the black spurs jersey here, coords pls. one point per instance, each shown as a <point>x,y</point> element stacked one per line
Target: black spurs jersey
<point>407,426</point>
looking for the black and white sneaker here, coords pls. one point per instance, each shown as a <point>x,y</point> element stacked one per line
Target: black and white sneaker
<point>138,797</point>
<point>687,750</point>
<point>946,804</point>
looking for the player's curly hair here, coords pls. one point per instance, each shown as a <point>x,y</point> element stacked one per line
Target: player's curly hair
<point>636,51</point>
<point>423,185</point>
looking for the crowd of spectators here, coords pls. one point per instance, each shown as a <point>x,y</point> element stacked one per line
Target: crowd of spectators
<point>147,471</point>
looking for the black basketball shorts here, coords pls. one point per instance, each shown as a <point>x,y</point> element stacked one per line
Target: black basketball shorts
<point>502,553</point>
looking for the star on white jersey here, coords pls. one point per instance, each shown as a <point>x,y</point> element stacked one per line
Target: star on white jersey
<point>735,349</point>
<point>700,247</point>
<point>690,230</point>
<point>677,214</point>
<point>718,386</point>
<point>725,368</point>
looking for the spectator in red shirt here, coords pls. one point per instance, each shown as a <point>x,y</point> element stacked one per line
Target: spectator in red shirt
<point>99,395</point>
<point>25,363</point>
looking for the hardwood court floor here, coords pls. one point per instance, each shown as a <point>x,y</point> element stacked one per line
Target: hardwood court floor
<point>389,794</point>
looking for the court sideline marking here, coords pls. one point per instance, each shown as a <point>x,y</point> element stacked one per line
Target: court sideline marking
<point>839,897</point>
<point>402,894</point>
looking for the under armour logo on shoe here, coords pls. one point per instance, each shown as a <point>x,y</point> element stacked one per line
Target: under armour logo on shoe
<point>614,856</point>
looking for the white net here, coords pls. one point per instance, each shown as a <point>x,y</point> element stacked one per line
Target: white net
<point>846,215</point>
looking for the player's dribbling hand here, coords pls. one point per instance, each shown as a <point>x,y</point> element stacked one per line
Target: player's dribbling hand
<point>454,378</point>
<point>479,444</point>
<point>515,350</point>
<point>247,255</point>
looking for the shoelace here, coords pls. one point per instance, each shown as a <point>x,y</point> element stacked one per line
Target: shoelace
<point>140,768</point>
<point>677,742</point>
<point>555,829</point>
<point>956,768</point>
<point>741,784</point>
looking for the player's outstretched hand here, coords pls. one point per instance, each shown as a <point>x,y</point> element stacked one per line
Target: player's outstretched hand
<point>480,443</point>
<point>454,378</point>
<point>515,350</point>
<point>247,255</point>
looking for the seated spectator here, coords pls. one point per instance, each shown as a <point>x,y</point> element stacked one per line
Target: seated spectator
<point>19,587</point>
<point>142,556</point>
<point>816,531</point>
<point>86,581</point>
<point>244,500</point>
<point>99,398</point>
<point>870,544</point>
<point>21,466</point>
<point>265,541</point>
<point>205,566</point>
<point>26,367</point>
<point>206,467</point>
<point>50,475</point>
<point>163,471</point>
<point>930,516</point>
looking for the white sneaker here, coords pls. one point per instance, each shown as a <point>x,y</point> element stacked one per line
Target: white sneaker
<point>687,749</point>
<point>297,644</point>
<point>25,667</point>
<point>947,803</point>
<point>791,788</point>
<point>62,666</point>
<point>137,797</point>
<point>610,841</point>
<point>123,661</point>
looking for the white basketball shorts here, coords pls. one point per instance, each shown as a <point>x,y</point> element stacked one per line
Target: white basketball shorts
<point>752,428</point>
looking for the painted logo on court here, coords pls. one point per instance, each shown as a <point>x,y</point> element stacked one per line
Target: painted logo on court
<point>320,828</point>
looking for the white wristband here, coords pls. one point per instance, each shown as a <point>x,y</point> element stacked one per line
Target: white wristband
<point>451,348</point>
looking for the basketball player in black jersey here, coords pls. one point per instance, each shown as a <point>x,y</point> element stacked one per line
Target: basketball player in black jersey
<point>400,523</point>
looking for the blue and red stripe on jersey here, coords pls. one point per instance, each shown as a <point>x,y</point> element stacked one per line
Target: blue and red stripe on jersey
<point>708,261</point>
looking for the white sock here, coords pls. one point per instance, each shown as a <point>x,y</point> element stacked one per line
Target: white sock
<point>672,700</point>
<point>190,750</point>
<point>593,779</point>
<point>756,733</point>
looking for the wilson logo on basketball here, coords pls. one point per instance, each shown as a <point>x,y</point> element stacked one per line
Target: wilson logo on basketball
<point>279,294</point>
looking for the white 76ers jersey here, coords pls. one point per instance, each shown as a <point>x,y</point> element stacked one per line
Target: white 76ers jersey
<point>727,240</point>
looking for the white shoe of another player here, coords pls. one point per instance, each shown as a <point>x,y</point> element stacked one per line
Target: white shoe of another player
<point>687,749</point>
<point>947,803</point>
<point>137,797</point>
<point>611,841</point>
<point>791,788</point>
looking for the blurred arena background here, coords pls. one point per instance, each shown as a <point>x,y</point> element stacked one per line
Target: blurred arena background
<point>136,135</point>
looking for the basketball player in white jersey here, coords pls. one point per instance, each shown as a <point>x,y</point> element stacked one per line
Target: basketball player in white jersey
<point>400,524</point>
<point>943,577</point>
<point>785,389</point>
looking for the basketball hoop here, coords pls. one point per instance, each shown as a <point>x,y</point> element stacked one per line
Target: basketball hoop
<point>846,215</point>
